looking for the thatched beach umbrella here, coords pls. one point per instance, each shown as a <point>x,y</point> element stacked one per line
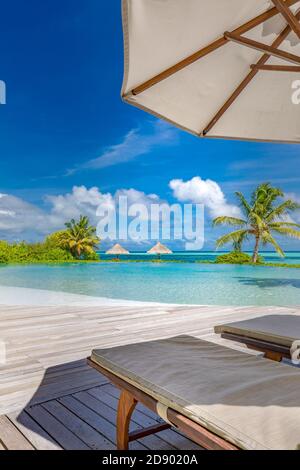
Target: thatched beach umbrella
<point>117,250</point>
<point>159,249</point>
<point>216,68</point>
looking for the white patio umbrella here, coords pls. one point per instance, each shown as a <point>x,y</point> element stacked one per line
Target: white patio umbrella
<point>217,68</point>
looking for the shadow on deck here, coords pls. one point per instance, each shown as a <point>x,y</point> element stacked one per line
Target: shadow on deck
<point>64,415</point>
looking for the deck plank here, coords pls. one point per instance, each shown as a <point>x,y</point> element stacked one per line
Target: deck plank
<point>51,399</point>
<point>34,433</point>
<point>11,438</point>
<point>152,442</point>
<point>100,424</point>
<point>53,427</point>
<point>80,428</point>
<point>171,435</point>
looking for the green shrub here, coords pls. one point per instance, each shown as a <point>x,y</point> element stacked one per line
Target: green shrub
<point>32,253</point>
<point>4,252</point>
<point>42,253</point>
<point>48,251</point>
<point>20,253</point>
<point>4,259</point>
<point>77,242</point>
<point>57,254</point>
<point>91,256</point>
<point>236,257</point>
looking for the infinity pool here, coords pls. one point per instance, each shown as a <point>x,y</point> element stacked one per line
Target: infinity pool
<point>183,283</point>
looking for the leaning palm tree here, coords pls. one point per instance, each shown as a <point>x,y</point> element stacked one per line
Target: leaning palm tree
<point>79,237</point>
<point>262,218</point>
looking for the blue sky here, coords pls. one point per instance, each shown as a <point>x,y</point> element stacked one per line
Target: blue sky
<point>64,124</point>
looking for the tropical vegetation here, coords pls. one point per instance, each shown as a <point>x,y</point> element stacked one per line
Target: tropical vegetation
<point>77,242</point>
<point>237,257</point>
<point>79,238</point>
<point>263,218</point>
<point>32,253</point>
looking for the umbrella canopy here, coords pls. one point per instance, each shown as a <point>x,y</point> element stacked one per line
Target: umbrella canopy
<point>117,250</point>
<point>216,68</point>
<point>160,249</point>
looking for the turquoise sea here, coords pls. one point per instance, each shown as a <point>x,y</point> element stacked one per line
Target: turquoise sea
<point>292,257</point>
<point>183,283</point>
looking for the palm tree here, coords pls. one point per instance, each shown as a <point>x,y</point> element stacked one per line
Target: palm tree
<point>262,219</point>
<point>79,237</point>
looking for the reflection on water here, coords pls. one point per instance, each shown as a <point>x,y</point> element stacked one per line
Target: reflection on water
<point>267,283</point>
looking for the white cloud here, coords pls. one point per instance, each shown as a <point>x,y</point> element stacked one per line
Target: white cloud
<point>207,192</point>
<point>80,201</point>
<point>8,213</point>
<point>22,220</point>
<point>18,216</point>
<point>136,142</point>
<point>145,200</point>
<point>138,197</point>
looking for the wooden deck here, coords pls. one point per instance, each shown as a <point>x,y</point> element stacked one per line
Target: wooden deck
<point>50,398</point>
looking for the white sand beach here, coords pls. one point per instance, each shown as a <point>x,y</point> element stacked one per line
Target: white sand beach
<point>38,297</point>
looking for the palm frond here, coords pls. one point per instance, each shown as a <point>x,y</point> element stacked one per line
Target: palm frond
<point>289,232</point>
<point>232,237</point>
<point>259,194</point>
<point>256,220</point>
<point>272,195</point>
<point>80,237</point>
<point>88,249</point>
<point>282,209</point>
<point>225,220</point>
<point>245,206</point>
<point>267,238</point>
<point>283,224</point>
<point>263,199</point>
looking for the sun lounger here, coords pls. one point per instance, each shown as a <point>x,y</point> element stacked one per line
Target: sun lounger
<point>274,335</point>
<point>219,397</point>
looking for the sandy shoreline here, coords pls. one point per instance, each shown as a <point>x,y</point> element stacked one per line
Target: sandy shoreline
<point>38,297</point>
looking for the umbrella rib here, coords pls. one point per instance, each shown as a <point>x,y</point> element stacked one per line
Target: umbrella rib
<point>288,15</point>
<point>262,61</point>
<point>259,46</point>
<point>253,23</point>
<point>276,68</point>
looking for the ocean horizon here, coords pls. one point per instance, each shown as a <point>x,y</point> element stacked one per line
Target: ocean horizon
<point>292,257</point>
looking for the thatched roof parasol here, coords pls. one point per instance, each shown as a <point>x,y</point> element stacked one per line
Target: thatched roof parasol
<point>160,249</point>
<point>117,250</point>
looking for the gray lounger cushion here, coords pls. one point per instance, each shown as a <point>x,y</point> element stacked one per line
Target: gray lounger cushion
<point>278,329</point>
<point>247,400</point>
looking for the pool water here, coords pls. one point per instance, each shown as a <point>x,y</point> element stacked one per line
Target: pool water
<point>183,283</point>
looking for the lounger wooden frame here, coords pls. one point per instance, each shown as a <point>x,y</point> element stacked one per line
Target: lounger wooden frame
<point>131,396</point>
<point>273,351</point>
